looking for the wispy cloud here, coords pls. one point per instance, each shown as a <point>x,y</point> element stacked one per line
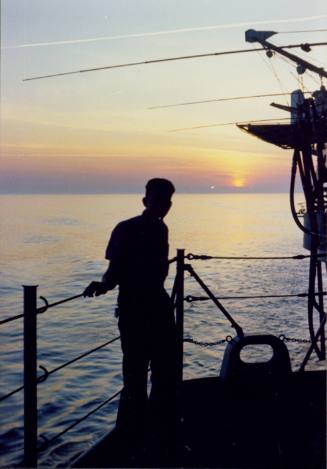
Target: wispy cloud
<point>166,32</point>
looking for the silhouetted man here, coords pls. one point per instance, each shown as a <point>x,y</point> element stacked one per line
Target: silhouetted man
<point>138,255</point>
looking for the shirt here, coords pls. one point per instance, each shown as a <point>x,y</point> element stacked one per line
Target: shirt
<point>138,253</point>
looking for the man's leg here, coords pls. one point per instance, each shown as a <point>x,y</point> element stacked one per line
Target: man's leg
<point>163,373</point>
<point>133,401</point>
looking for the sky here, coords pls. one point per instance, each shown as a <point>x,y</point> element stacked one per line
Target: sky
<point>95,132</point>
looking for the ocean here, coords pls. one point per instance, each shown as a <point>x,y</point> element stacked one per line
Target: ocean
<point>58,241</point>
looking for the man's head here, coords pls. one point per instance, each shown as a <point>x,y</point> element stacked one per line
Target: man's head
<point>158,193</point>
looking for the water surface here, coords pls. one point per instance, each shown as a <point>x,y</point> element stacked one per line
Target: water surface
<point>57,242</point>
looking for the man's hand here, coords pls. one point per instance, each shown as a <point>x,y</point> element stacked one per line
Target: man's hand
<point>97,288</point>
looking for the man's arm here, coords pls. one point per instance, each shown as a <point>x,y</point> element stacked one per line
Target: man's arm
<point>109,282</point>
<point>110,278</point>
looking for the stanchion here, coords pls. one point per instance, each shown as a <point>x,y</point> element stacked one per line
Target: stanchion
<point>30,375</point>
<point>180,313</point>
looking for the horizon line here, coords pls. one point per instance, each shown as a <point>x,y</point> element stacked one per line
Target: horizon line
<point>212,192</point>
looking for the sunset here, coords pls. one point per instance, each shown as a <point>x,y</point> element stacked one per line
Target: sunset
<point>163,234</point>
<point>102,123</point>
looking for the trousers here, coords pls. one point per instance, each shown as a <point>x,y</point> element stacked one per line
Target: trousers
<point>148,339</point>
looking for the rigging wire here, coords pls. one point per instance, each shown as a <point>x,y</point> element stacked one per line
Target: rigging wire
<point>168,59</point>
<point>302,55</point>
<point>279,81</point>
<point>300,78</point>
<point>289,63</point>
<point>269,64</point>
<point>233,98</point>
<point>300,81</point>
<point>307,72</point>
<point>313,77</point>
<point>229,123</point>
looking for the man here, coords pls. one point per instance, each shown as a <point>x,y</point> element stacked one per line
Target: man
<point>138,255</point>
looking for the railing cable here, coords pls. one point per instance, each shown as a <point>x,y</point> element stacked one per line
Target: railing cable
<point>47,441</point>
<point>2,398</point>
<point>64,365</point>
<point>43,377</point>
<point>191,340</point>
<point>191,298</point>
<point>192,257</point>
<point>12,318</point>
<point>42,309</point>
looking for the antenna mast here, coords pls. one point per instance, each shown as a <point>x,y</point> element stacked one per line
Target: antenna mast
<point>307,135</point>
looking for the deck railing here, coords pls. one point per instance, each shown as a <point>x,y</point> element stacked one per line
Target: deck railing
<point>31,312</point>
<point>31,381</point>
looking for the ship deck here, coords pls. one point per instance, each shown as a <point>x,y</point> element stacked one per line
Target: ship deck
<point>255,424</point>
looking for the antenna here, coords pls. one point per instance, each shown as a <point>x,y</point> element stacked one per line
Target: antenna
<point>307,135</point>
<point>251,35</point>
<point>305,47</point>
<point>214,100</point>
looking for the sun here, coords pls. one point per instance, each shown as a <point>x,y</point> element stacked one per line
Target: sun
<point>238,182</point>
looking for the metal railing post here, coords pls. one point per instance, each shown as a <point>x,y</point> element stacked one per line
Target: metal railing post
<point>180,313</point>
<point>30,376</point>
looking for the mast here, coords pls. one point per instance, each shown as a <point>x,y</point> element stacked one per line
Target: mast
<point>309,129</point>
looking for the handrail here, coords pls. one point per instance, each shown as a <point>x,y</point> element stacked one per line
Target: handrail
<point>47,373</point>
<point>188,256</point>
<point>42,309</point>
<point>204,257</point>
<point>31,311</point>
<point>83,355</point>
<point>12,318</point>
<point>3,398</point>
<point>191,298</point>
<point>47,441</point>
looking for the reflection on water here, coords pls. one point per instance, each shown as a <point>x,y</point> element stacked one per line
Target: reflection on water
<point>58,242</point>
